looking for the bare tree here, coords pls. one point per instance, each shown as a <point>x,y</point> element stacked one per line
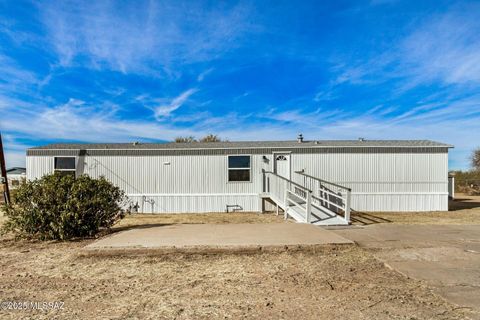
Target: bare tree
<point>185,139</point>
<point>211,138</point>
<point>475,159</point>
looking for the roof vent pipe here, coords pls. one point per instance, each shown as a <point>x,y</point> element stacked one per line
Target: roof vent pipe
<point>300,138</point>
<point>361,139</point>
<point>136,143</point>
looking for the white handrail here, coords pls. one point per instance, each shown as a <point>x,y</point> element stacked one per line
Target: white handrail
<point>282,190</point>
<point>323,196</point>
<point>286,192</point>
<point>341,207</point>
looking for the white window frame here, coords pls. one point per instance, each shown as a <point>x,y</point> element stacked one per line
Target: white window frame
<point>66,170</point>
<point>249,168</point>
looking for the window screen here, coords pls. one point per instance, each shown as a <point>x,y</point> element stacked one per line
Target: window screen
<point>239,168</point>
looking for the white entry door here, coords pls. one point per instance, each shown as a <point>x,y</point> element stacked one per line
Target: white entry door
<point>282,164</point>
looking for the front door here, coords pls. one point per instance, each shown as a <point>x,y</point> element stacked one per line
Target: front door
<point>282,164</point>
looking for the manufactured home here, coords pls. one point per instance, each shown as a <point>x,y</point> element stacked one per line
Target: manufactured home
<point>318,181</point>
<point>15,176</point>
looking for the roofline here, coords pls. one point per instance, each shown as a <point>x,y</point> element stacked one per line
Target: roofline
<point>260,147</point>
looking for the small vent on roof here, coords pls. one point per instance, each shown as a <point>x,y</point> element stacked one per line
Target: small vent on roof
<point>136,143</point>
<point>361,139</point>
<point>300,138</point>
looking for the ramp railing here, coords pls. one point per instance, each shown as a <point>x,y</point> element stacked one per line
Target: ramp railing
<point>288,193</point>
<point>327,196</point>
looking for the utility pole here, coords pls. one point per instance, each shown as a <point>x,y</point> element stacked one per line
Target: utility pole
<point>3,169</point>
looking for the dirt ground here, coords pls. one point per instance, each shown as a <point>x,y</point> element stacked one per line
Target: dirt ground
<point>135,220</point>
<point>334,282</point>
<point>345,282</point>
<point>463,210</point>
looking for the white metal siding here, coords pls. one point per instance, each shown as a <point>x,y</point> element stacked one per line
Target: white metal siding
<point>384,181</point>
<point>186,184</point>
<point>38,166</point>
<point>174,203</point>
<point>379,181</point>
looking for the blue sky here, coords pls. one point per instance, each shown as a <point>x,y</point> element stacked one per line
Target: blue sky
<point>119,71</point>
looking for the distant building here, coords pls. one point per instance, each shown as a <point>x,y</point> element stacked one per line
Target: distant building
<point>15,176</point>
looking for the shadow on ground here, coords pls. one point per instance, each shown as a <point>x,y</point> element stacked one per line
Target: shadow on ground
<point>364,218</point>
<point>465,202</point>
<point>138,226</point>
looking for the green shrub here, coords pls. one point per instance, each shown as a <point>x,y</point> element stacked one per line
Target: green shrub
<point>61,207</point>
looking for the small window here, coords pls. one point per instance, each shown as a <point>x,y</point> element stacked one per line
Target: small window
<point>65,165</point>
<point>239,168</point>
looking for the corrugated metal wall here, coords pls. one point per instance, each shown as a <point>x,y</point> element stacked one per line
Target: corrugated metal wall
<point>198,183</point>
<point>171,183</point>
<point>384,181</point>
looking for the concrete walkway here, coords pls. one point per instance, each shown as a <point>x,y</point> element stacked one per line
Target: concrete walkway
<point>447,257</point>
<point>220,236</point>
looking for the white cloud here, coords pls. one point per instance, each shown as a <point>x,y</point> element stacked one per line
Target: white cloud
<point>14,78</point>
<point>442,48</point>
<point>14,151</point>
<point>165,110</point>
<point>142,37</point>
<point>446,48</point>
<point>79,121</point>
<point>14,158</point>
<point>203,74</point>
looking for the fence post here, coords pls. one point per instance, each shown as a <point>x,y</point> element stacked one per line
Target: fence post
<point>308,207</point>
<point>347,206</point>
<point>453,187</point>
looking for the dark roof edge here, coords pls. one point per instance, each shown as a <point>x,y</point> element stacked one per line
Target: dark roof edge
<point>259,147</point>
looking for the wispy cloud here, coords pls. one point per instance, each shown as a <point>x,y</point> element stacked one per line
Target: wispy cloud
<point>153,70</point>
<point>79,121</point>
<point>443,47</point>
<point>164,110</point>
<point>13,77</point>
<point>203,74</point>
<point>152,37</point>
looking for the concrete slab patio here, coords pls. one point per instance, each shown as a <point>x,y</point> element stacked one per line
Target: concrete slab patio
<point>447,257</point>
<point>219,236</point>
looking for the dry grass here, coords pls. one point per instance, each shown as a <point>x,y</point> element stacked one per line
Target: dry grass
<point>463,210</point>
<point>332,283</point>
<point>196,218</point>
